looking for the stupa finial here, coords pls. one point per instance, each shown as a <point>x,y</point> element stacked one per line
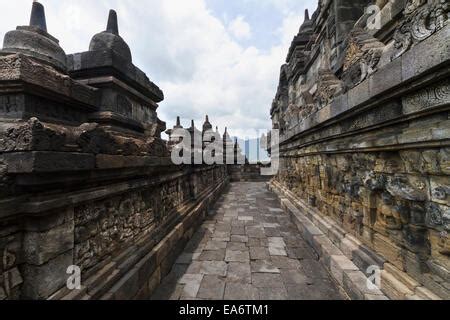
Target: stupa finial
<point>113,25</point>
<point>37,18</point>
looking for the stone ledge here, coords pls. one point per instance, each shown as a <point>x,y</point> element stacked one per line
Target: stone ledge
<point>104,161</point>
<point>25,70</point>
<point>35,205</point>
<point>100,62</point>
<point>341,268</point>
<point>346,258</point>
<point>247,173</point>
<point>46,162</point>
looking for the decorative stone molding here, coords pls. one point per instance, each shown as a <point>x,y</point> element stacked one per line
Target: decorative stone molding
<point>422,19</point>
<point>433,96</point>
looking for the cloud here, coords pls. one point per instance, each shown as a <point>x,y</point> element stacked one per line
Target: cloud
<point>240,28</point>
<point>286,6</point>
<point>195,57</point>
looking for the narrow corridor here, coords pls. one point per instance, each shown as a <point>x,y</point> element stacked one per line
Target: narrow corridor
<point>248,249</point>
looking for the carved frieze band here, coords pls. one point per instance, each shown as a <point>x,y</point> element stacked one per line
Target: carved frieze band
<point>437,95</point>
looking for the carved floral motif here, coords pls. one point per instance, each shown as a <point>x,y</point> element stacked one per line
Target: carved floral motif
<point>429,97</point>
<point>422,19</point>
<point>438,216</point>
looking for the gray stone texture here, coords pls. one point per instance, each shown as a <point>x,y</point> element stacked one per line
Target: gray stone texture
<point>87,180</point>
<point>364,141</point>
<point>251,274</point>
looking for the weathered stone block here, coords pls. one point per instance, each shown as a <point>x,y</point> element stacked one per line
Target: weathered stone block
<point>127,287</point>
<point>388,250</point>
<point>340,264</point>
<point>364,260</point>
<point>356,285</point>
<point>427,54</point>
<point>40,247</point>
<point>154,281</point>
<point>31,162</point>
<point>394,288</point>
<point>347,247</point>
<point>49,221</point>
<point>359,94</point>
<point>401,276</point>
<point>324,247</point>
<point>386,78</point>
<point>42,281</point>
<point>426,294</point>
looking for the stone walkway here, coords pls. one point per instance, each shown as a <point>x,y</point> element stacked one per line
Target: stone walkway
<point>248,249</point>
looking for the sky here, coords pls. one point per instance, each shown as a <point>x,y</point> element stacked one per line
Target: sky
<point>215,57</point>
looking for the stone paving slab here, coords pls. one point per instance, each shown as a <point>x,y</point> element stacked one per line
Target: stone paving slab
<point>248,249</point>
<point>211,288</point>
<point>263,266</point>
<point>259,253</point>
<point>240,291</point>
<point>239,272</point>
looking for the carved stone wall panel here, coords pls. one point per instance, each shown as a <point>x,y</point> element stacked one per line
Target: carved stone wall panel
<point>379,199</point>
<point>103,228</point>
<point>11,257</point>
<point>422,19</point>
<point>434,96</point>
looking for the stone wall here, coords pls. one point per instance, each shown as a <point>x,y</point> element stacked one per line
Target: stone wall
<point>97,228</point>
<point>246,173</point>
<point>365,138</point>
<point>85,178</point>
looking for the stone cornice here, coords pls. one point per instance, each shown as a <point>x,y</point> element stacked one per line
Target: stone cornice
<point>21,73</point>
<point>119,84</point>
<point>35,203</point>
<point>93,64</point>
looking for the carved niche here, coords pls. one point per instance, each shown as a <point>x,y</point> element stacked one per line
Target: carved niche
<point>362,57</point>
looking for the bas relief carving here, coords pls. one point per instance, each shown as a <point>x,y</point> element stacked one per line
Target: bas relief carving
<point>362,57</point>
<point>368,196</point>
<point>103,228</point>
<point>10,275</point>
<point>433,96</point>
